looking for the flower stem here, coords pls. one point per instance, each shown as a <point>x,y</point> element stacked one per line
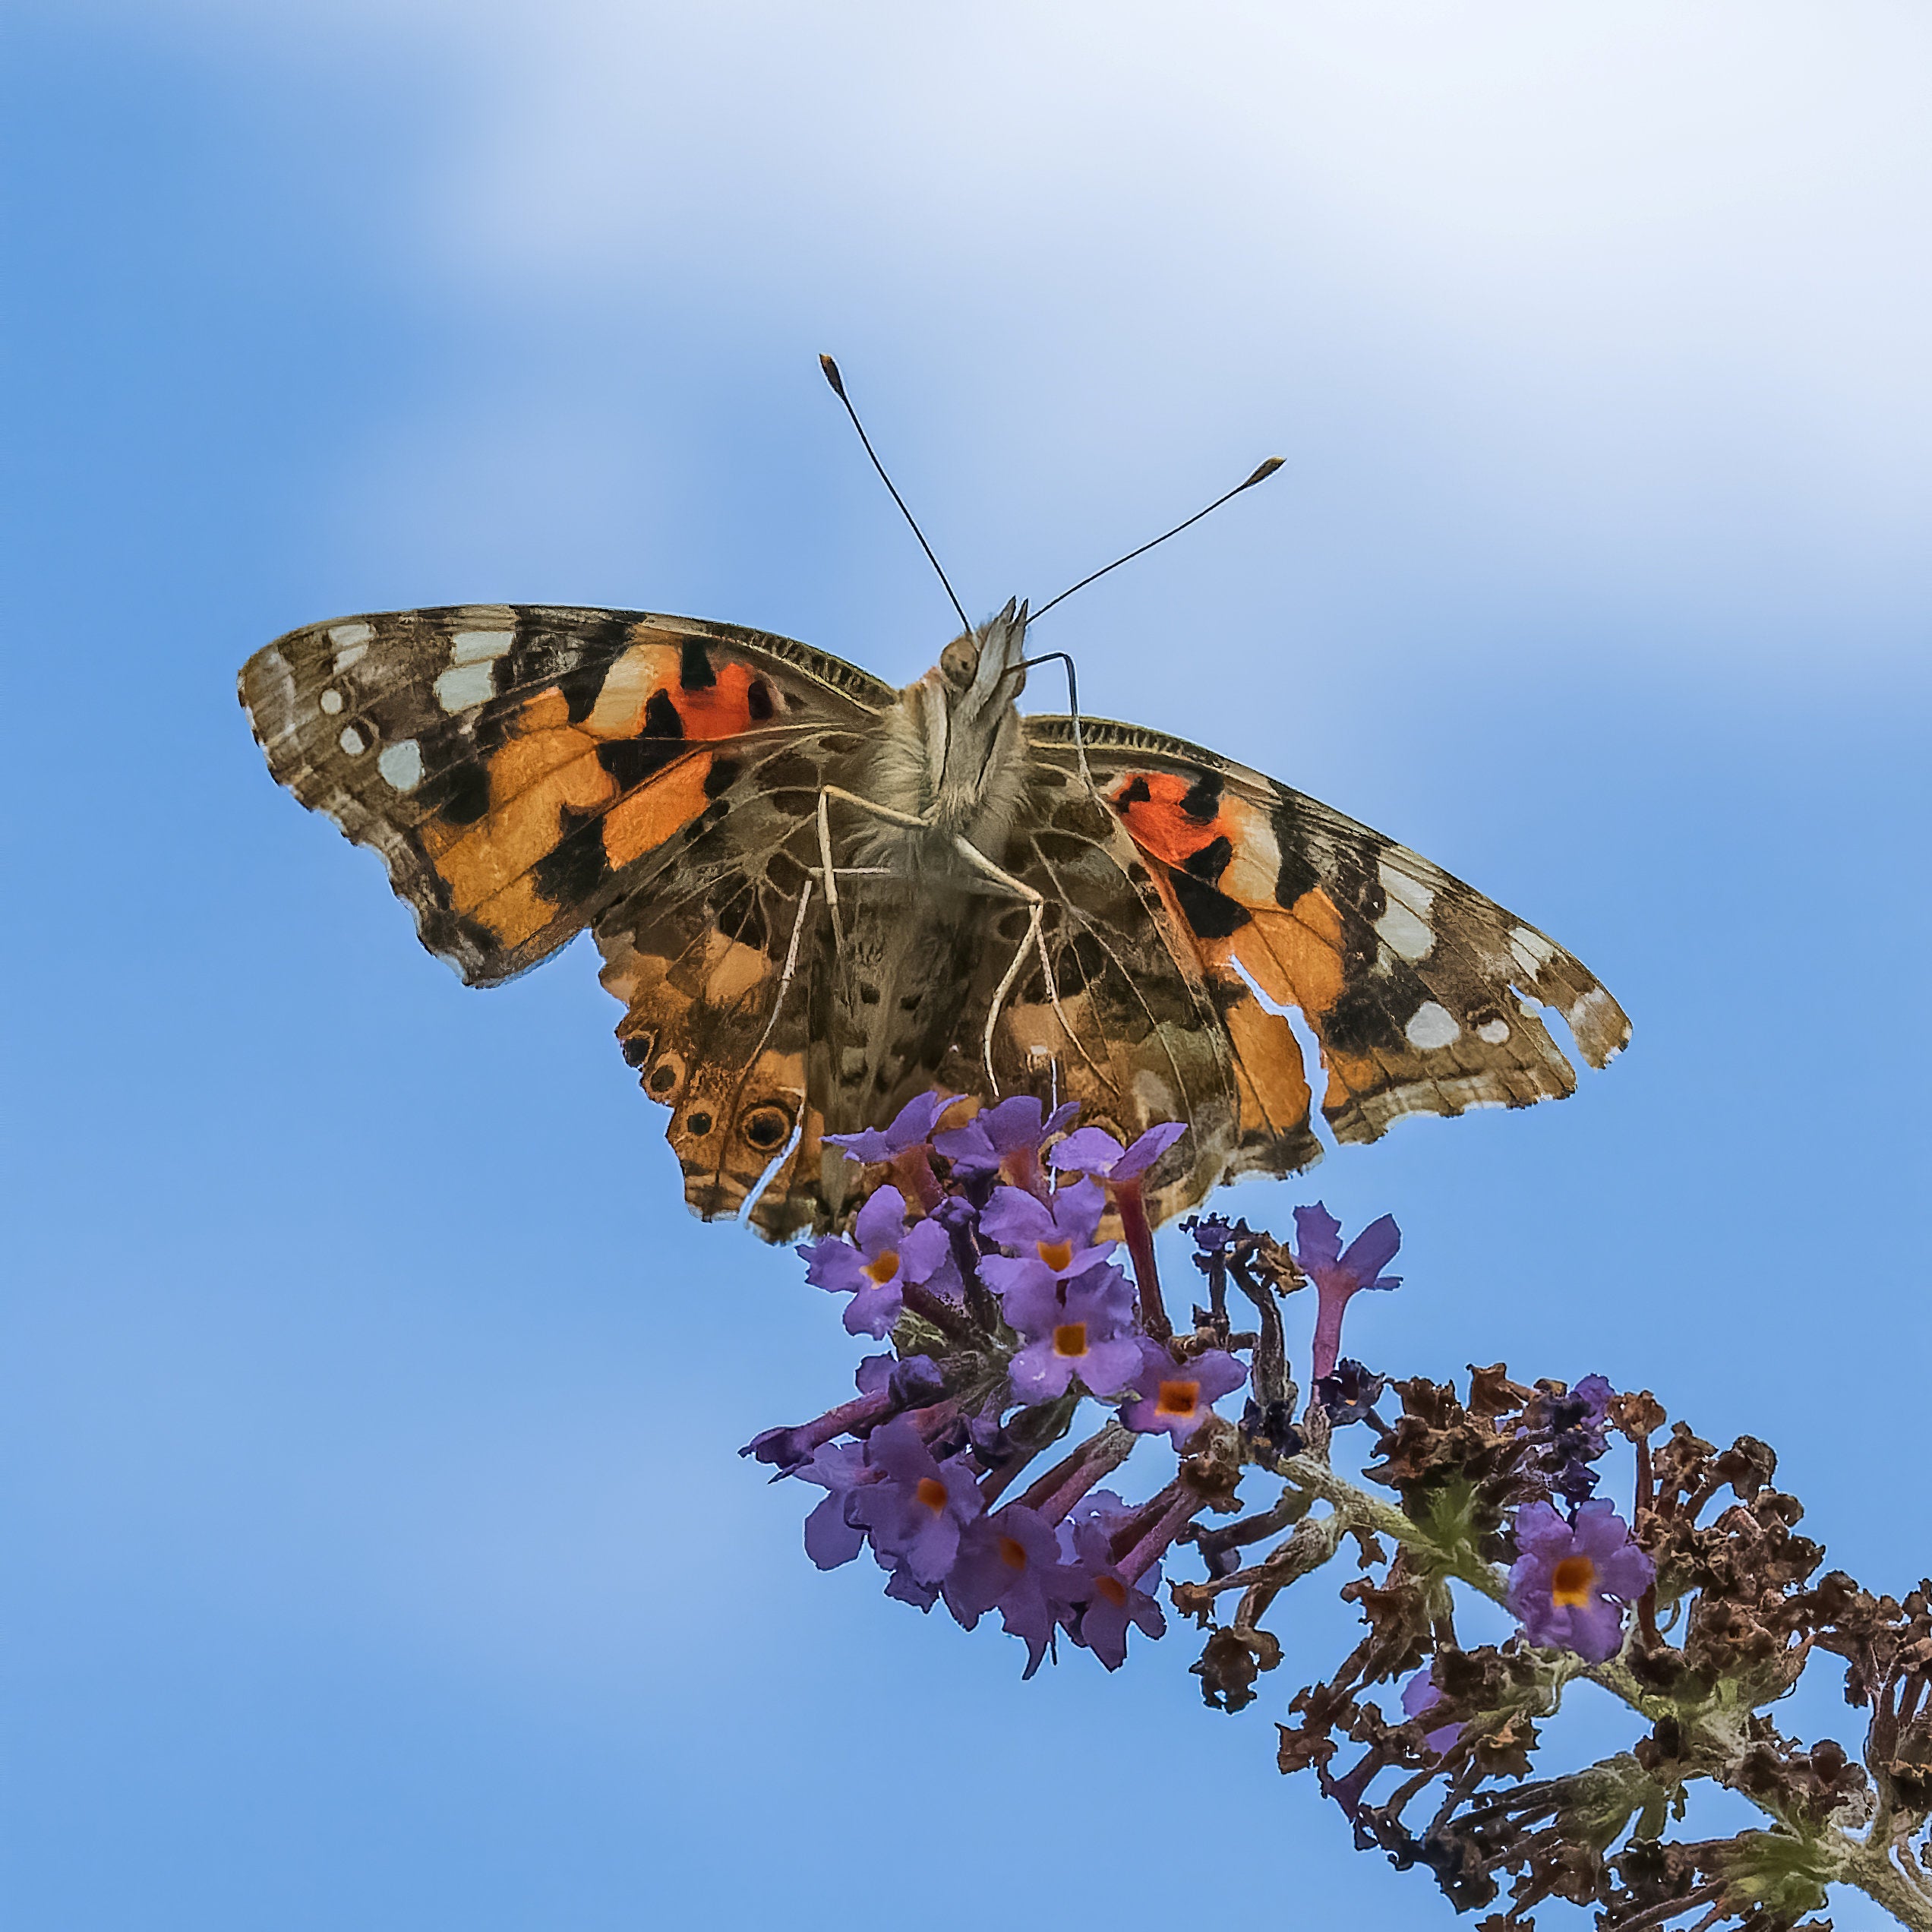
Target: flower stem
<point>1139,1245</point>
<point>1863,1864</point>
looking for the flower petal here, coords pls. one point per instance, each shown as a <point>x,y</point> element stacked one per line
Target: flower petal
<point>1015,1219</point>
<point>1318,1238</point>
<point>1371,1251</point>
<point>1090,1150</point>
<point>881,1220</point>
<point>1147,1150</point>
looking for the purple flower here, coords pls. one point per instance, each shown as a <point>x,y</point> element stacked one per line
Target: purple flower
<point>1093,1151</point>
<point>911,1125</point>
<point>1213,1234</point>
<point>1569,1586</point>
<point>838,1468</point>
<point>887,1256</point>
<point>1115,1600</point>
<point>1076,1327</point>
<point>1570,1433</point>
<point>916,1507</point>
<point>1420,1697</point>
<point>917,1382</point>
<point>1011,1561</point>
<point>1350,1395</point>
<point>1053,1239</point>
<point>1011,1131</point>
<point>1178,1397</point>
<point>1339,1274</point>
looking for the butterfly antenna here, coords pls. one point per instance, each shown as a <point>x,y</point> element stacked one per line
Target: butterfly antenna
<point>1260,475</point>
<point>837,383</point>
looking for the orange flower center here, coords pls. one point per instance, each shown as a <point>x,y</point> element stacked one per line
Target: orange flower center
<point>885,1267</point>
<point>1570,1582</point>
<point>1012,1554</point>
<point>1055,1253</point>
<point>1113,1589</point>
<point>932,1492</point>
<point>1177,1399</point>
<point>1070,1339</point>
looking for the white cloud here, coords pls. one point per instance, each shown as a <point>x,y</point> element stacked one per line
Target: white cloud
<point>1611,295</point>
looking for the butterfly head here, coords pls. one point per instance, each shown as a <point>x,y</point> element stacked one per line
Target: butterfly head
<point>983,669</point>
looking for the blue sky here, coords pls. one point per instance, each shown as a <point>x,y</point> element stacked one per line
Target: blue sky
<point>378,1551</point>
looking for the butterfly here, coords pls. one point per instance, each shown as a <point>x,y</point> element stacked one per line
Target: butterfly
<point>817,896</point>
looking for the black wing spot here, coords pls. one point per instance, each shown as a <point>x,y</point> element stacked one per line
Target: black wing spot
<point>461,795</point>
<point>1136,794</point>
<point>1202,801</point>
<point>767,1128</point>
<point>758,704</point>
<point>1359,1022</point>
<point>1297,874</point>
<point>698,1123</point>
<point>694,670</point>
<point>630,761</point>
<point>722,776</point>
<point>639,1047</point>
<point>1211,860</point>
<point>1207,909</point>
<point>577,864</point>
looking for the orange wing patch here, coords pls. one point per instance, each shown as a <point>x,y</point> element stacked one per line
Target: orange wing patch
<point>628,763</point>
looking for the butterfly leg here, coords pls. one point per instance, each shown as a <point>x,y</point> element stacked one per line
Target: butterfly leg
<point>1035,940</point>
<point>784,977</point>
<point>885,814</point>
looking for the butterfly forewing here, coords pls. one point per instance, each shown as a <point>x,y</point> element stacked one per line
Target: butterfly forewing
<point>517,764</point>
<point>1419,991</point>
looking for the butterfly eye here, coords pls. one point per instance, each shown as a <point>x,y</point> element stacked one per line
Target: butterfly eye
<point>767,1128</point>
<point>958,661</point>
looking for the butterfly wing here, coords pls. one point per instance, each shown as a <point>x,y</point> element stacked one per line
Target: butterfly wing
<point>1418,991</point>
<point>516,764</point>
<point>525,771</point>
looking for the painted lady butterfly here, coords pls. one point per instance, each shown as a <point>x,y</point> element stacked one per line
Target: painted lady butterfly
<point>816,896</point>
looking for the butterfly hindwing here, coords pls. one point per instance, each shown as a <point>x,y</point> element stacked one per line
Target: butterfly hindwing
<point>516,766</point>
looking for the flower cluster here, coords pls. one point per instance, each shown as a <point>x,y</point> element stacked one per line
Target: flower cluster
<point>1009,1309</point>
<point>1008,1262</point>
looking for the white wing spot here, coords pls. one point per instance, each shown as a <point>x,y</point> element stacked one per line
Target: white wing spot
<point>350,641</point>
<point>352,741</point>
<point>1404,933</point>
<point>401,765</point>
<point>465,686</point>
<point>1492,1033</point>
<point>1433,1026</point>
<point>331,702</point>
<point>479,646</point>
<point>1530,950</point>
